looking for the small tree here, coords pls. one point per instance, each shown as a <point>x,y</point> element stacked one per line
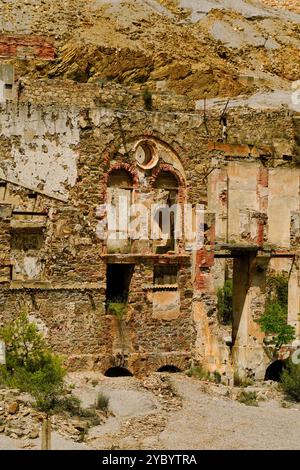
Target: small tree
<point>31,366</point>
<point>25,345</point>
<point>273,322</point>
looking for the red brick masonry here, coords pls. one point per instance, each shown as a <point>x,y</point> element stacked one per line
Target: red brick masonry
<point>26,47</point>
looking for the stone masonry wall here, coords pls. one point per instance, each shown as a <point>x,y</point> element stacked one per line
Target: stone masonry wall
<point>54,161</point>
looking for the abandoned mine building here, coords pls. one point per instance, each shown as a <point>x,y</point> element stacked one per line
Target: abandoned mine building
<point>133,304</point>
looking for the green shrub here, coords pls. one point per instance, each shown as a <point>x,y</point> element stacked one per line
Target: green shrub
<point>224,305</point>
<point>273,322</point>
<point>278,288</point>
<point>69,404</point>
<point>217,378</point>
<point>117,308</point>
<point>30,365</point>
<point>198,372</point>
<point>45,384</point>
<point>25,345</point>
<point>290,380</point>
<point>102,401</point>
<point>242,382</point>
<point>248,398</point>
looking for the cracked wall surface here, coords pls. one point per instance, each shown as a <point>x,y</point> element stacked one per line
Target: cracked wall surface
<point>55,162</point>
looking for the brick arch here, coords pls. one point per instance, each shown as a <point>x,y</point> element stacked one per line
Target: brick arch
<point>169,169</point>
<point>123,166</point>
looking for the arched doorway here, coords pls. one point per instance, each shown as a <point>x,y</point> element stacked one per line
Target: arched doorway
<point>274,371</point>
<point>169,368</point>
<point>118,372</point>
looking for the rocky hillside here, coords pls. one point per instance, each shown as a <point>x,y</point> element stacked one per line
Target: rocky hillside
<point>292,5</point>
<point>200,48</point>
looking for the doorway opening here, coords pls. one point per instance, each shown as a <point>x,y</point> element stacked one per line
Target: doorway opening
<point>118,372</point>
<point>169,368</point>
<point>118,280</point>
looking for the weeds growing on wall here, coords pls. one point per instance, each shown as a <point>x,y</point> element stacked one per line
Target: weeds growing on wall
<point>118,308</point>
<point>224,305</point>
<point>273,322</point>
<point>148,100</point>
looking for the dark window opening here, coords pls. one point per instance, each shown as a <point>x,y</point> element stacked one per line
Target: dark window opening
<point>118,372</point>
<point>27,240</point>
<point>165,275</point>
<point>274,371</point>
<point>167,186</point>
<point>166,180</point>
<point>118,279</point>
<point>169,368</point>
<point>120,179</point>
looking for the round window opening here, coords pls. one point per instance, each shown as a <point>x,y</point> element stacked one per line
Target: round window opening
<point>146,155</point>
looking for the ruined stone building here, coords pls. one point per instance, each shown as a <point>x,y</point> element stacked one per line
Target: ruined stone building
<point>61,161</point>
<point>68,148</point>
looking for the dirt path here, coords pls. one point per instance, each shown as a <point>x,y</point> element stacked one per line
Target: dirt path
<point>207,422</point>
<point>153,418</point>
<point>172,411</point>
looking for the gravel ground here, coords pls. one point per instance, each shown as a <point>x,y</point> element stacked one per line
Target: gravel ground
<point>172,412</point>
<point>57,443</point>
<point>216,423</point>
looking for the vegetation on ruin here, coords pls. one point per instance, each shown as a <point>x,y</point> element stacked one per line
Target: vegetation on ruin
<point>117,307</point>
<point>239,381</point>
<point>290,380</point>
<point>147,98</point>
<point>102,401</point>
<point>248,398</point>
<point>199,372</point>
<point>273,322</point>
<point>224,305</point>
<point>31,367</point>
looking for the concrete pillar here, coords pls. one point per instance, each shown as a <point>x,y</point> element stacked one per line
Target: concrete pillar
<point>249,276</point>
<point>294,298</point>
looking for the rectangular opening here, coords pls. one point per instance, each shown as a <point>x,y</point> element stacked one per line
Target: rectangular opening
<point>26,240</point>
<point>165,275</point>
<point>118,280</point>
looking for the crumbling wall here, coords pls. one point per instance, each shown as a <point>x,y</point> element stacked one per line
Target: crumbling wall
<point>54,163</point>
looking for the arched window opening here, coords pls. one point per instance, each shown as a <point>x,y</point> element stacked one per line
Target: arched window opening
<point>166,180</point>
<point>166,185</point>
<point>119,199</point>
<point>121,179</point>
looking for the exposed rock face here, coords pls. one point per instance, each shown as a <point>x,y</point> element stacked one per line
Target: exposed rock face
<point>292,5</point>
<point>224,49</point>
